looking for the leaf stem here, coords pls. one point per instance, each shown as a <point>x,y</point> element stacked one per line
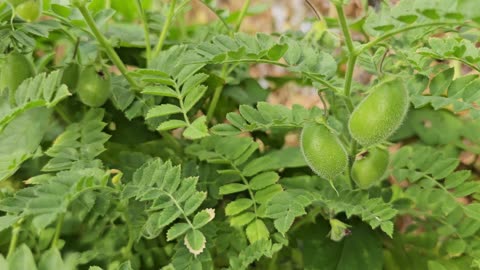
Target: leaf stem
<point>166,26</point>
<point>394,32</point>
<point>58,230</point>
<point>243,12</point>
<point>324,82</point>
<point>352,56</point>
<point>343,24</point>
<point>225,72</point>
<point>229,29</point>
<point>352,59</point>
<point>143,18</point>
<point>181,210</point>
<point>106,45</point>
<point>182,105</point>
<point>245,182</point>
<point>14,240</point>
<point>217,94</point>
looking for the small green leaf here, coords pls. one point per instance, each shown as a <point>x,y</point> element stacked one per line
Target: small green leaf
<point>193,82</point>
<point>256,231</point>
<point>160,90</point>
<point>51,259</point>
<point>263,180</point>
<point>163,110</point>
<point>126,266</point>
<point>203,217</point>
<point>194,202</point>
<point>197,130</point>
<point>285,158</point>
<point>195,242</point>
<point>443,168</point>
<point>232,188</point>
<point>177,230</point>
<point>242,219</point>
<point>238,206</point>
<point>441,81</point>
<point>277,51</point>
<point>434,265</point>
<point>264,195</point>
<point>7,221</point>
<point>171,124</point>
<point>194,96</point>
<point>3,263</point>
<point>22,259</point>
<point>455,247</point>
<point>225,130</point>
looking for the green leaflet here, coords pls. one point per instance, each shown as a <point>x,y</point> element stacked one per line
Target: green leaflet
<point>20,138</point>
<point>167,196</point>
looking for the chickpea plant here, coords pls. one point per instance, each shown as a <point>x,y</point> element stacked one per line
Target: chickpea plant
<point>131,139</point>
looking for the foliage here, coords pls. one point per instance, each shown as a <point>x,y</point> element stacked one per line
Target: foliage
<point>190,165</point>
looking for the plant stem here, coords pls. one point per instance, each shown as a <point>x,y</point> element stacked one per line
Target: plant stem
<point>245,182</point>
<point>325,83</point>
<point>14,240</point>
<point>166,26</point>
<point>58,230</point>
<point>216,94</point>
<point>349,79</point>
<point>224,74</point>
<point>343,24</point>
<point>398,31</point>
<point>243,12</point>
<point>352,56</point>
<point>352,59</point>
<point>106,45</point>
<point>227,26</point>
<point>143,18</point>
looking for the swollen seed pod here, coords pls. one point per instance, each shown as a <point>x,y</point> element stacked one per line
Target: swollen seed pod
<point>369,167</point>
<point>93,89</point>
<point>16,68</point>
<point>323,151</point>
<point>380,114</point>
<point>29,10</point>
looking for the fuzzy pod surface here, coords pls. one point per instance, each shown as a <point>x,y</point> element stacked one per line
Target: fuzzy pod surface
<point>323,151</point>
<point>94,87</point>
<point>29,10</point>
<point>370,167</point>
<point>379,114</point>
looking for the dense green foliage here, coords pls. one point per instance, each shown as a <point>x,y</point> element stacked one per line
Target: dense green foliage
<point>131,139</point>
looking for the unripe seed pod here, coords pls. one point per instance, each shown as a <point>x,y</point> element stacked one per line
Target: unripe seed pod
<point>380,114</point>
<point>14,71</point>
<point>29,10</point>
<point>94,87</point>
<point>323,151</point>
<point>370,167</point>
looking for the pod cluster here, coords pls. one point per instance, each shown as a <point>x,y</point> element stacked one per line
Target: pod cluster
<point>372,122</point>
